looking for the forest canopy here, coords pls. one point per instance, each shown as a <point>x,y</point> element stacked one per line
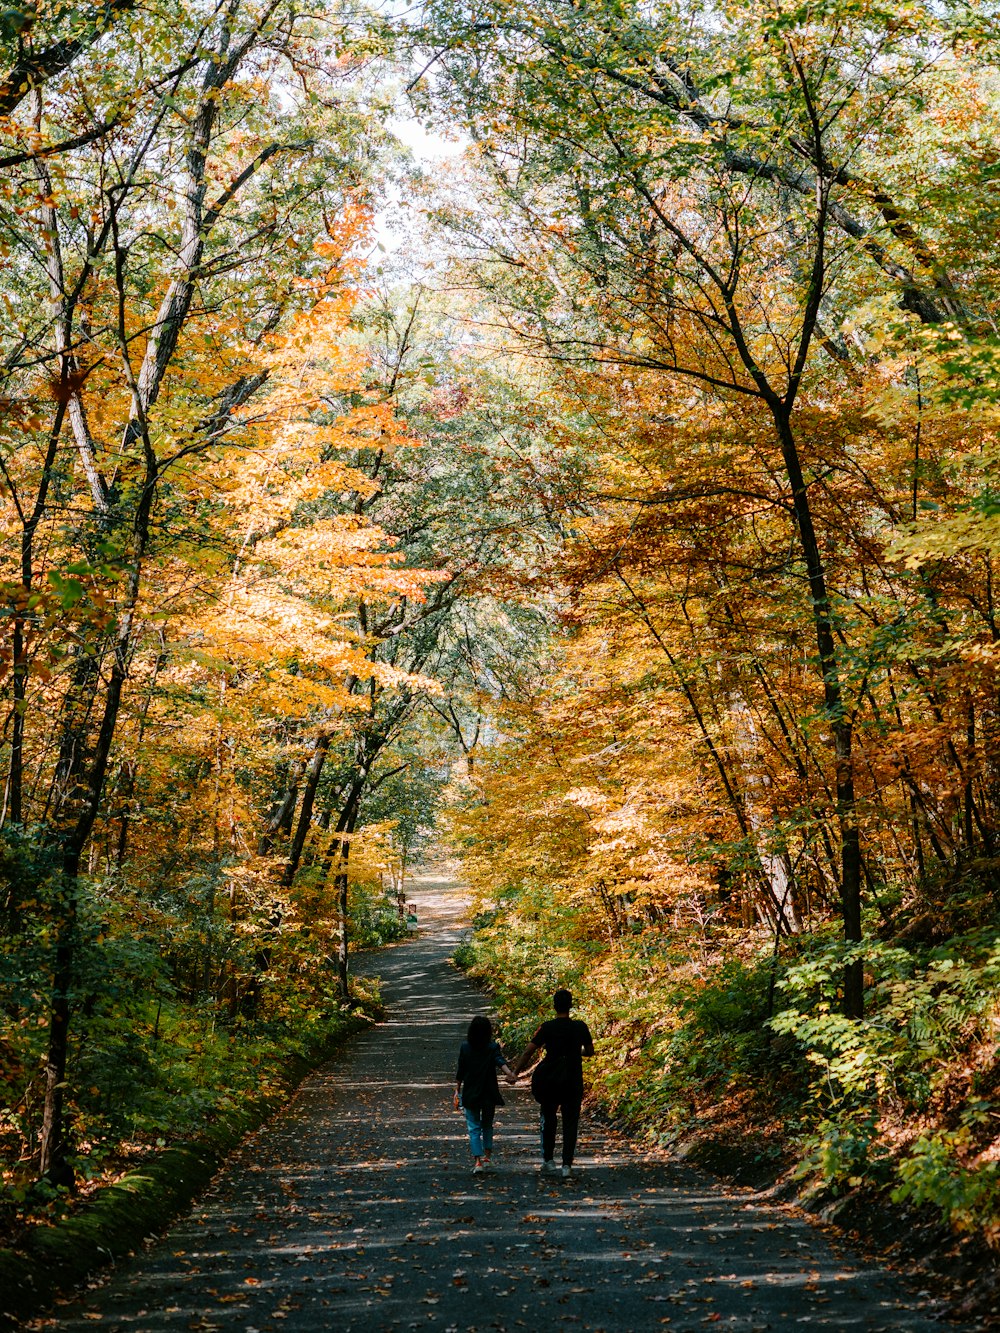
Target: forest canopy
<point>629,530</point>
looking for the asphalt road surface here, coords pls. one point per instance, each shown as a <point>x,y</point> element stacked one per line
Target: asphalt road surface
<point>356,1209</point>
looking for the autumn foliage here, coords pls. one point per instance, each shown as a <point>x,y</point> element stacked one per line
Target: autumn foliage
<point>193,582</point>
<point>751,813</point>
<point>644,517</point>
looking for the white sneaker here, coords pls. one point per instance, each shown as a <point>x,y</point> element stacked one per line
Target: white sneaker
<point>567,1171</point>
<point>549,1167</point>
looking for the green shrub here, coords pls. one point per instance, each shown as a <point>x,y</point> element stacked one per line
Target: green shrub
<point>966,1197</point>
<point>374,918</point>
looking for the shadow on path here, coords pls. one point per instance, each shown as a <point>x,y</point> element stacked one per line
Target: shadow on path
<point>355,1209</point>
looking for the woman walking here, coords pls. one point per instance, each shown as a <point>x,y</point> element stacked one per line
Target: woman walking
<point>477,1091</point>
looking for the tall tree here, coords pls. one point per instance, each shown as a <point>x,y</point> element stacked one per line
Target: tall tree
<point>701,200</point>
<point>196,163</point>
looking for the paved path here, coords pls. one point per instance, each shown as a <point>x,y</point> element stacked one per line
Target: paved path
<point>355,1209</point>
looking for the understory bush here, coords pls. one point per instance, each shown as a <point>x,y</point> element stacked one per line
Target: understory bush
<point>374,916</point>
<point>894,1096</point>
<point>189,1007</point>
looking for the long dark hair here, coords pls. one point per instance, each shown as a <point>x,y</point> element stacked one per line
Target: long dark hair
<point>480,1032</point>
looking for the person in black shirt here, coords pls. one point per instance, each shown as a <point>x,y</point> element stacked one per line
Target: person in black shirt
<point>477,1091</point>
<point>557,1080</point>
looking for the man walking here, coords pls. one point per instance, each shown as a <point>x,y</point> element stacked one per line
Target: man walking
<point>557,1081</point>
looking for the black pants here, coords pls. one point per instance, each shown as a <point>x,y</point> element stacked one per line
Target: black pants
<point>570,1128</point>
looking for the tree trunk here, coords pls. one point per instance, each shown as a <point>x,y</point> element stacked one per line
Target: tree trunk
<point>401,887</point>
<point>78,809</point>
<point>54,1164</point>
<point>14,795</point>
<point>130,769</point>
<point>305,814</point>
<point>840,725</point>
<point>340,885</point>
<point>283,811</point>
<point>77,798</point>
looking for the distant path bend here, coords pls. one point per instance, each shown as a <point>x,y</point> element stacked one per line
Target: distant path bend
<point>355,1210</point>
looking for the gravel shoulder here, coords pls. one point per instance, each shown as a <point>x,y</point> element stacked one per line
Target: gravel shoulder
<point>355,1209</point>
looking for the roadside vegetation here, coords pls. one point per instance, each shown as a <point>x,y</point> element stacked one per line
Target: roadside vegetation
<point>633,526</point>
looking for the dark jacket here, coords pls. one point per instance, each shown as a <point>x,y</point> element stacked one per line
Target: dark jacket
<point>477,1073</point>
<point>565,1041</point>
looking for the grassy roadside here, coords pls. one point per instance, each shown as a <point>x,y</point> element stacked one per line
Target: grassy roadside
<point>52,1256</point>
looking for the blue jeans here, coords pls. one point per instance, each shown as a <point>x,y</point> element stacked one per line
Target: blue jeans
<point>479,1123</point>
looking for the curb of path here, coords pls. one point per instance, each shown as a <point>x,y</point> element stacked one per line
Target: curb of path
<point>56,1258</point>
<point>141,1204</point>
